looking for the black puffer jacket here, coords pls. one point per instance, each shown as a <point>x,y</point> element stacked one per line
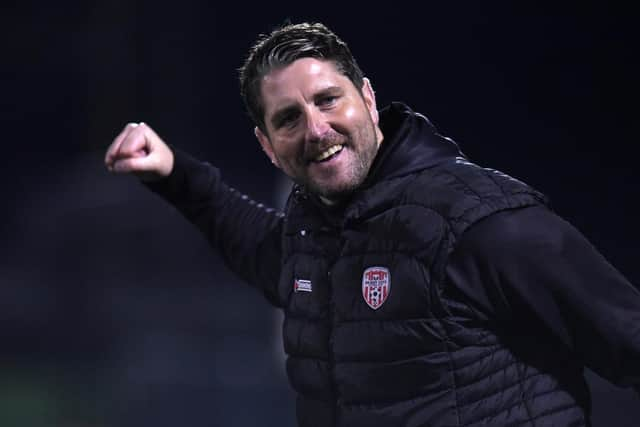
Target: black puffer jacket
<point>374,335</point>
<point>418,359</point>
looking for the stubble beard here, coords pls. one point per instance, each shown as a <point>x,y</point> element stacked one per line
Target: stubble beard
<point>358,172</point>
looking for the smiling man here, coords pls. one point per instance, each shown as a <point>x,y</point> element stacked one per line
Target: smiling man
<point>319,128</point>
<point>419,289</point>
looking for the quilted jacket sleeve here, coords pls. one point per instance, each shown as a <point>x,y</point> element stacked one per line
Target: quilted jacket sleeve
<point>246,234</point>
<point>529,265</point>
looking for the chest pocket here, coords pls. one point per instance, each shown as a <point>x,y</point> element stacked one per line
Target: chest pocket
<point>404,241</point>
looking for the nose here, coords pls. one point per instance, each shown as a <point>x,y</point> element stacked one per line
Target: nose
<point>317,125</point>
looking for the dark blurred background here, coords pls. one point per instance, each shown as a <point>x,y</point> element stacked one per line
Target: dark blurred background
<point>115,312</point>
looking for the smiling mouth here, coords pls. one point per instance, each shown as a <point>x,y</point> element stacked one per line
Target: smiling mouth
<point>328,153</point>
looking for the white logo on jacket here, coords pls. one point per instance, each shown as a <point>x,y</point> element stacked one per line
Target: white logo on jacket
<point>301,285</point>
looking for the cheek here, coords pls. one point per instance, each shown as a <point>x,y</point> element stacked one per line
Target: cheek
<point>355,113</point>
<point>350,112</point>
<point>289,151</point>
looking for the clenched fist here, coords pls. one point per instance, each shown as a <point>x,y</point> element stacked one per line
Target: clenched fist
<point>140,151</point>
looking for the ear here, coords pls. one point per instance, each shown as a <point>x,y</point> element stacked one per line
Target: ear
<point>266,146</point>
<point>370,100</point>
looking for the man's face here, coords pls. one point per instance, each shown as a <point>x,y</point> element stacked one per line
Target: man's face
<point>320,130</point>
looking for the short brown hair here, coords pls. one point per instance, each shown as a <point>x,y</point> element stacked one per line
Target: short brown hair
<point>284,46</point>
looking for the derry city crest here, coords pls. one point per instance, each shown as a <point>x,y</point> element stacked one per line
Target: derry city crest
<point>376,285</point>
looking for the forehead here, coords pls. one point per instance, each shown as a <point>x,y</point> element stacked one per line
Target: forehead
<point>299,81</point>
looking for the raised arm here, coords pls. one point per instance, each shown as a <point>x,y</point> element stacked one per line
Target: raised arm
<point>246,233</point>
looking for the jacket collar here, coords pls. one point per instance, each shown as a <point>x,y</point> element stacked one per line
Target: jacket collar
<point>411,144</point>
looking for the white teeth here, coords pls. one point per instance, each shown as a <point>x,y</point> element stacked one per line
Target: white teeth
<point>328,152</point>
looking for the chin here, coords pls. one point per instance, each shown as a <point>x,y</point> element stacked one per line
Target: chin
<point>335,192</point>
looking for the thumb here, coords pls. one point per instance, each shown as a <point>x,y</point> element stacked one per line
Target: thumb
<point>140,163</point>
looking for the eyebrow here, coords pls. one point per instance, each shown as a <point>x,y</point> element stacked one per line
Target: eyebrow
<point>327,91</point>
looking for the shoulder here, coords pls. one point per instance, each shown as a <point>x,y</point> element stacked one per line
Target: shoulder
<point>464,193</point>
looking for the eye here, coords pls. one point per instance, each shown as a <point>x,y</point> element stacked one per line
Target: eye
<point>327,101</point>
<point>288,120</point>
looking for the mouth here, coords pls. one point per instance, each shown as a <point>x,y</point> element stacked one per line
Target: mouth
<point>328,154</point>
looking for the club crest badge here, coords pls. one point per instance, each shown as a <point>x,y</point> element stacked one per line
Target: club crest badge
<point>376,285</point>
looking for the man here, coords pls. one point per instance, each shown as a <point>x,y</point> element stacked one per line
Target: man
<point>418,288</point>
